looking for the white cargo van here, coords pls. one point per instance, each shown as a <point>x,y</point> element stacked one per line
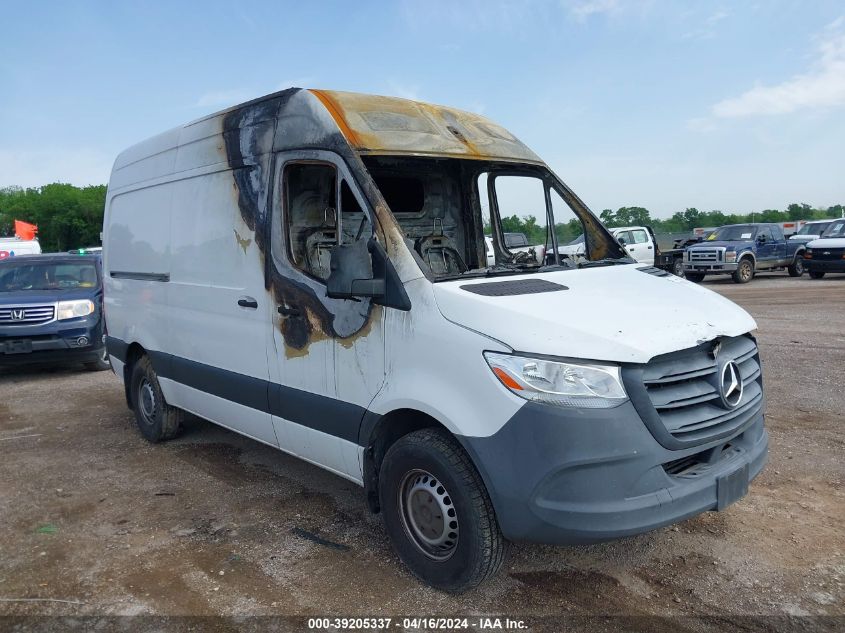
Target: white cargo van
<point>309,269</point>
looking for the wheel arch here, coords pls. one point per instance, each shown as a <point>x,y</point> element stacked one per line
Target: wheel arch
<point>381,431</point>
<point>746,255</point>
<point>134,352</point>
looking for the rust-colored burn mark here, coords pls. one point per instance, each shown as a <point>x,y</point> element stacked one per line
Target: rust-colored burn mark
<point>402,126</point>
<point>242,242</point>
<point>337,113</point>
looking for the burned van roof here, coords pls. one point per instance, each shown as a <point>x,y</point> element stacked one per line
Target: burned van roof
<point>317,119</point>
<point>389,125</point>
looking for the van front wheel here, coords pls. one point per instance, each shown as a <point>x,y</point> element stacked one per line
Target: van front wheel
<point>437,512</point>
<point>156,419</point>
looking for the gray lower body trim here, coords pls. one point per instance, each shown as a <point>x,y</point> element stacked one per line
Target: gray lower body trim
<point>322,413</point>
<point>564,476</point>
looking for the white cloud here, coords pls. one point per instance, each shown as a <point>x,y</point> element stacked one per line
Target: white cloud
<point>823,86</point>
<point>404,90</point>
<point>585,8</point>
<point>707,28</point>
<point>223,98</point>
<point>33,168</point>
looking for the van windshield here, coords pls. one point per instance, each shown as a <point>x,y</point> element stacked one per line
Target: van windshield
<point>18,276</point>
<point>445,208</point>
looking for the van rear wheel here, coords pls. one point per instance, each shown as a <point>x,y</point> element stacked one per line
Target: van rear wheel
<point>437,512</point>
<point>156,419</point>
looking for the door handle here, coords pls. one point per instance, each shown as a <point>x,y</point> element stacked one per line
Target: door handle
<point>288,311</point>
<point>648,247</point>
<point>248,302</point>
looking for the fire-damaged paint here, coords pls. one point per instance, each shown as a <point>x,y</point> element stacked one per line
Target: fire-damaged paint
<point>250,133</point>
<point>540,397</point>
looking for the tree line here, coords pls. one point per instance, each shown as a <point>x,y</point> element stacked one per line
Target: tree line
<point>680,222</point>
<point>72,217</point>
<point>67,217</point>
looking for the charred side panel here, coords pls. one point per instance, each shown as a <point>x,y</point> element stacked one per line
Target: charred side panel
<point>252,133</point>
<point>248,133</point>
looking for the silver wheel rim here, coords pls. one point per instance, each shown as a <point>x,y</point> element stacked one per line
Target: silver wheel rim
<point>428,515</point>
<point>147,401</point>
<point>746,271</point>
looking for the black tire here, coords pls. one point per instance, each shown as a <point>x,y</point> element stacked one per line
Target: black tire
<point>678,267</point>
<point>796,268</point>
<point>744,271</point>
<point>695,277</point>
<point>427,471</point>
<point>156,419</point>
<point>101,364</point>
<point>816,274</point>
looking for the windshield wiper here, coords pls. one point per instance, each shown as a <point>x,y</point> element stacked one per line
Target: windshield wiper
<point>607,261</point>
<point>492,271</point>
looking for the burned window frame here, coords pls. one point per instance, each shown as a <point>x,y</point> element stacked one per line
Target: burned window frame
<point>598,242</point>
<point>280,207</point>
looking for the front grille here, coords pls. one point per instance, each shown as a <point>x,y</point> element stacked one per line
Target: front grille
<point>27,315</point>
<point>706,255</point>
<point>683,389</point>
<point>828,254</point>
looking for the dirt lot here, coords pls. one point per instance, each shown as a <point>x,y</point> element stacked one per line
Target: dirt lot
<point>212,523</point>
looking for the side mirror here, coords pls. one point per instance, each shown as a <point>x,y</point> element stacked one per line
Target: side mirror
<point>761,239</point>
<point>622,241</point>
<point>362,270</point>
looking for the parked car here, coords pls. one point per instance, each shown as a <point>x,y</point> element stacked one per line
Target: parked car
<point>309,270</point>
<point>741,250</point>
<point>14,246</point>
<point>514,243</point>
<point>827,255</point>
<point>811,230</point>
<point>51,311</point>
<point>640,244</point>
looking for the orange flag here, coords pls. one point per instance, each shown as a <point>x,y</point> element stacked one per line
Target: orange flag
<point>25,230</point>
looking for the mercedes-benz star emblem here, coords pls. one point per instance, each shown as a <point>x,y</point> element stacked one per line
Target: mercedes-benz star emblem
<point>730,385</point>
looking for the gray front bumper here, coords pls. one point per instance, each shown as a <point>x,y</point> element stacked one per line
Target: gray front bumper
<point>565,476</point>
<point>709,268</point>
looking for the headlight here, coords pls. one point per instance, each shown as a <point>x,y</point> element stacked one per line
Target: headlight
<point>74,309</point>
<point>562,384</point>
<point>808,254</point>
<point>730,256</point>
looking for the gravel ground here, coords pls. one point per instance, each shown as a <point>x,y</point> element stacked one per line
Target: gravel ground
<point>212,523</point>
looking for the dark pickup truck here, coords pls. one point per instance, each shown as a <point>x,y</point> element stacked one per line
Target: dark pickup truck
<point>741,250</point>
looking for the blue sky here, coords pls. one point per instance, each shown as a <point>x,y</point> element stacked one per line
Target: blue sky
<point>717,105</point>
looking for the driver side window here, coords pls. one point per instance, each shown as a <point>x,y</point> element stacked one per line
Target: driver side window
<point>311,216</point>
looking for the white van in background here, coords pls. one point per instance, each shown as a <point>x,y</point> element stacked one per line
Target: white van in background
<point>14,246</point>
<point>309,269</point>
<point>637,241</point>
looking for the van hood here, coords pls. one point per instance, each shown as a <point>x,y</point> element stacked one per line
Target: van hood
<point>615,313</point>
<point>828,242</point>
